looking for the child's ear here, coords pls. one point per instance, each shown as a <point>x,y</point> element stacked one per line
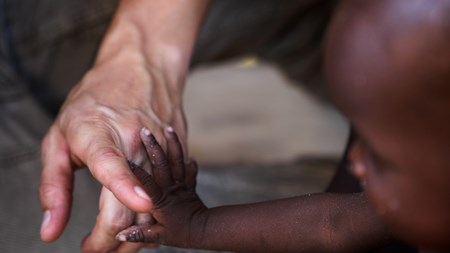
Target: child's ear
<point>357,159</point>
<point>191,174</point>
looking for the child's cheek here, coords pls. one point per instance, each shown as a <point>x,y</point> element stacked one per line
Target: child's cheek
<point>381,193</point>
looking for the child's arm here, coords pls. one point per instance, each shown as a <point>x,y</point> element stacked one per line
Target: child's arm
<point>319,222</point>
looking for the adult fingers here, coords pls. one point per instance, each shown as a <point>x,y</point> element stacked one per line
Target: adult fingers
<point>129,247</point>
<point>179,125</point>
<point>144,218</point>
<point>160,166</point>
<point>109,166</point>
<point>55,190</point>
<point>112,218</point>
<point>174,155</point>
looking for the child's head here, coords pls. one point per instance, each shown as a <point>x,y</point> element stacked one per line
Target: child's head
<point>388,66</point>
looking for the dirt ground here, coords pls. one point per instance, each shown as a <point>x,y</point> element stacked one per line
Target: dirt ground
<point>253,114</point>
<point>252,130</point>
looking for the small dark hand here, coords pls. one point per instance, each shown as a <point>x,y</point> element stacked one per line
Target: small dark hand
<point>172,190</point>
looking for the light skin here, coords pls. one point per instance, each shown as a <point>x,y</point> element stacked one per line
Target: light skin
<point>137,80</point>
<point>388,66</point>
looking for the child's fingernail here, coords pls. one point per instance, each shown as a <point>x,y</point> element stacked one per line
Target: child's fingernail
<point>47,216</point>
<point>131,235</point>
<point>141,193</point>
<point>121,237</point>
<point>146,131</point>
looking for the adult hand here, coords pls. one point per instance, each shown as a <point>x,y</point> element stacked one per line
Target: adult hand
<point>136,81</point>
<point>98,127</point>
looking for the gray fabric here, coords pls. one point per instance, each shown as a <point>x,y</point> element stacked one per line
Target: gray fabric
<point>46,46</point>
<point>53,43</point>
<point>31,34</point>
<point>23,123</point>
<point>288,33</point>
<point>56,43</point>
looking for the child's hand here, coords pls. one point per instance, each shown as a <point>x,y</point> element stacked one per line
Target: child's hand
<point>172,190</point>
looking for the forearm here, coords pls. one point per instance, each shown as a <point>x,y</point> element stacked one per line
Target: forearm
<point>316,223</point>
<point>159,33</point>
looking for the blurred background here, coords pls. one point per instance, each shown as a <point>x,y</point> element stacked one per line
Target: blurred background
<point>258,136</point>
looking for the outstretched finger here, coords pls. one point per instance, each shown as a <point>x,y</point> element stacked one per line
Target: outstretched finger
<point>147,181</point>
<point>160,165</point>
<point>109,166</point>
<point>56,185</point>
<point>112,218</point>
<point>141,233</point>
<point>175,154</point>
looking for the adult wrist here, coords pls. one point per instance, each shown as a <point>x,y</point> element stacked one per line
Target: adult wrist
<point>165,31</point>
<point>125,47</point>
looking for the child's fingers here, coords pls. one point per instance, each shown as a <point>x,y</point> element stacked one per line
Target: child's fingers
<point>147,181</point>
<point>175,155</point>
<point>141,233</point>
<point>160,165</point>
<point>191,174</point>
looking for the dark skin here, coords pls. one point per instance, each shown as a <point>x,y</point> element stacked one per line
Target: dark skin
<point>320,222</point>
<point>388,68</point>
<point>394,86</point>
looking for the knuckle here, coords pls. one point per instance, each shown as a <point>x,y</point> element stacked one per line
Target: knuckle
<point>178,160</point>
<point>100,159</point>
<point>101,155</point>
<point>160,162</point>
<point>111,227</point>
<point>49,191</point>
<point>109,223</point>
<point>118,183</point>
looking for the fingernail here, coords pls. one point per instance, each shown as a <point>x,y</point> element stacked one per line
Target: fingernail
<point>141,193</point>
<point>47,216</point>
<point>131,235</point>
<point>121,237</point>
<point>146,131</point>
<point>168,131</point>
